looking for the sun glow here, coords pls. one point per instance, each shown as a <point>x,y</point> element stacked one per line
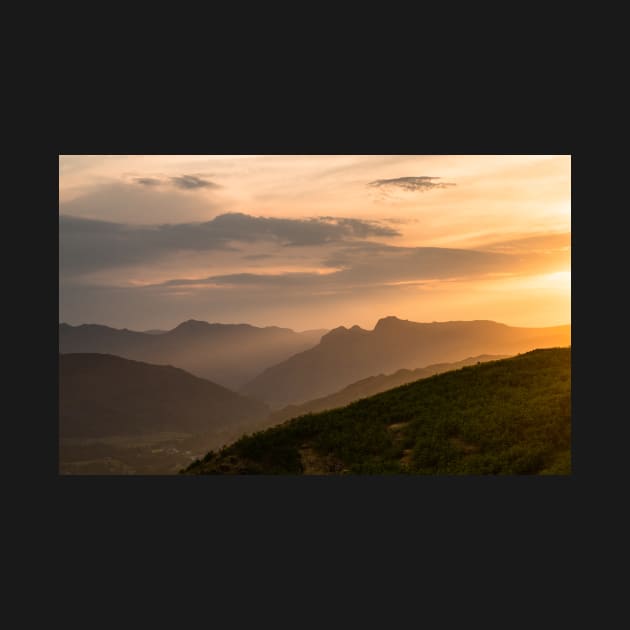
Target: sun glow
<point>556,280</point>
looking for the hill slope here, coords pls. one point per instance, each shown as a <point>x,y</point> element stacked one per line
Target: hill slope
<point>228,354</point>
<point>344,356</point>
<point>511,416</point>
<point>370,386</point>
<point>107,403</point>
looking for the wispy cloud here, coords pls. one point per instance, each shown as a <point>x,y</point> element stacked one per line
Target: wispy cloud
<point>183,182</point>
<point>148,181</point>
<point>192,182</point>
<point>364,265</point>
<point>540,243</point>
<point>412,184</point>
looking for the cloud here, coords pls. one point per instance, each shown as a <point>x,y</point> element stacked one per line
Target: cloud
<point>539,243</point>
<point>88,245</point>
<point>362,266</point>
<point>362,276</point>
<point>141,203</point>
<point>291,279</point>
<point>357,228</point>
<point>183,182</point>
<point>339,245</point>
<point>192,182</point>
<point>296,232</point>
<point>413,184</point>
<point>376,263</point>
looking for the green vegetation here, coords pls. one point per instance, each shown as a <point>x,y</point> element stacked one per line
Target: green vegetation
<point>370,386</point>
<point>511,416</point>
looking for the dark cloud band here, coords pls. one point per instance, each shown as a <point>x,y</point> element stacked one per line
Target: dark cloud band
<point>88,245</point>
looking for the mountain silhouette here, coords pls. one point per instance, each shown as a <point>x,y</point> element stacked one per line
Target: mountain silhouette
<point>228,354</point>
<point>507,417</point>
<point>122,416</point>
<point>103,395</point>
<point>344,355</point>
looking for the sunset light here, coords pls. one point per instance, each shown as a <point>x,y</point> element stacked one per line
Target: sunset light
<point>286,239</point>
<point>314,315</point>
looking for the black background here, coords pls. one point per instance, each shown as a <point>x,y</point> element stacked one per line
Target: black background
<point>337,551</point>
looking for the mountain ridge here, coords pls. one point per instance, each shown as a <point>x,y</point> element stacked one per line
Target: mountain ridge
<point>228,354</point>
<point>345,355</point>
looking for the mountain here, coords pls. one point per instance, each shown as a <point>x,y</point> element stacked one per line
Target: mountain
<point>228,354</point>
<point>344,356</point>
<point>511,416</point>
<point>112,404</point>
<point>370,386</point>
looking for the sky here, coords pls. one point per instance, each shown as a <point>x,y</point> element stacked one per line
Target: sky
<point>314,241</point>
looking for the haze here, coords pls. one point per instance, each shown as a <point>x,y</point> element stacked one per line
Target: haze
<point>307,242</point>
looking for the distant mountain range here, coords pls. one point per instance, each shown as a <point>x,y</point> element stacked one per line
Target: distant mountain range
<point>228,354</point>
<point>150,402</point>
<point>108,404</point>
<point>344,356</point>
<point>370,386</point>
<point>507,417</point>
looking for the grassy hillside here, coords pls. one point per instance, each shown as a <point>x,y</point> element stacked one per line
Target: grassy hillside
<point>511,416</point>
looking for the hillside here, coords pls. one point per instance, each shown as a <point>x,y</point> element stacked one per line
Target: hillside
<point>344,356</point>
<point>228,354</point>
<point>370,386</point>
<point>511,416</point>
<point>108,405</point>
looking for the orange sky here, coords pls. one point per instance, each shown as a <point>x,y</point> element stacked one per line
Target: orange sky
<point>314,241</point>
